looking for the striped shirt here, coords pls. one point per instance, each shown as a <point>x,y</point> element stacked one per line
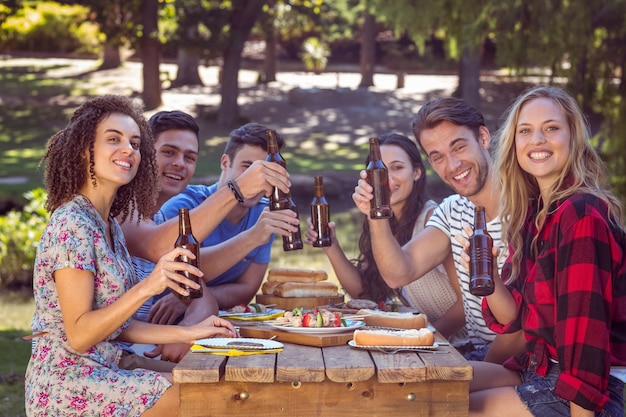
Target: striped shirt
<point>450,217</point>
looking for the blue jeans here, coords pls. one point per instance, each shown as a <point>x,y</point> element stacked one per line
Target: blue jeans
<point>537,394</point>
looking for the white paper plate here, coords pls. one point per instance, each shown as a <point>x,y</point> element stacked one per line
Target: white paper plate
<point>395,348</point>
<point>351,326</point>
<point>270,313</point>
<point>241,343</point>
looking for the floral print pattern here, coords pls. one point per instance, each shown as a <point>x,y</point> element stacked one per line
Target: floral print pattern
<point>59,380</point>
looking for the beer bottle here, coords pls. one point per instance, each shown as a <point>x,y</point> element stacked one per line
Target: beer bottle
<point>294,240</point>
<point>320,215</point>
<point>481,257</point>
<point>278,199</point>
<point>188,241</point>
<point>377,177</point>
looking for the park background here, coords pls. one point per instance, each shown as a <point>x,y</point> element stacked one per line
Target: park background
<point>326,74</point>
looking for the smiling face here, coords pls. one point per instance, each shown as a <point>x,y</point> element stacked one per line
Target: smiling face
<point>177,156</point>
<point>232,168</point>
<point>402,175</point>
<point>542,140</point>
<point>460,159</point>
<point>116,154</point>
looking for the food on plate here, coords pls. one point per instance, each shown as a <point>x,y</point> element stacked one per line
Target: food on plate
<point>248,308</point>
<point>296,275</point>
<point>359,304</point>
<point>315,318</point>
<point>239,343</point>
<point>306,289</point>
<point>411,337</point>
<point>394,319</point>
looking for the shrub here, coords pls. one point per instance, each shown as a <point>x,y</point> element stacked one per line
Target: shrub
<point>19,235</point>
<point>50,27</point>
<point>315,55</point>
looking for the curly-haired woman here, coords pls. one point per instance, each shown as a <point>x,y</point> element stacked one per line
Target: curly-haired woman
<point>99,166</point>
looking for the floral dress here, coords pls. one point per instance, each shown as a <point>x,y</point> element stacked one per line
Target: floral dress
<point>59,380</point>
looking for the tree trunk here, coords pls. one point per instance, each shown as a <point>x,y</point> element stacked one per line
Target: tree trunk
<point>111,57</point>
<point>187,74</point>
<point>240,28</point>
<point>368,50</point>
<point>150,51</point>
<point>469,76</point>
<point>270,55</point>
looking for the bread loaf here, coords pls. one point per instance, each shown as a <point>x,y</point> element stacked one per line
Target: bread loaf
<point>421,337</point>
<point>296,275</point>
<point>268,287</point>
<point>394,319</point>
<point>306,289</point>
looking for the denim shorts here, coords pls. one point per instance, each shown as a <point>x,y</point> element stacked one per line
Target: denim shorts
<point>537,394</point>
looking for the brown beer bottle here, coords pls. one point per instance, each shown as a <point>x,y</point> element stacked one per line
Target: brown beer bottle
<point>377,177</point>
<point>278,199</point>
<point>293,241</point>
<point>481,257</point>
<point>188,241</point>
<point>320,215</point>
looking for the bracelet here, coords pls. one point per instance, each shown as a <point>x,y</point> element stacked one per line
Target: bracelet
<point>232,184</point>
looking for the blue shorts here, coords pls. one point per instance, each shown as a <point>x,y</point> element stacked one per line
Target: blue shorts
<point>537,394</point>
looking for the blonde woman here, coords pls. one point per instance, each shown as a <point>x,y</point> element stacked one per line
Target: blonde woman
<point>566,273</point>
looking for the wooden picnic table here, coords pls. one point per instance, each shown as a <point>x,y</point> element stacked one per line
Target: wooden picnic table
<point>334,381</point>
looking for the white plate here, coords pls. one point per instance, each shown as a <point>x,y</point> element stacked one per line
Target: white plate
<point>241,343</point>
<point>351,325</point>
<point>269,312</point>
<point>395,348</point>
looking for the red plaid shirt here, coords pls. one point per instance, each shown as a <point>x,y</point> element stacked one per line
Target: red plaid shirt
<point>571,298</point>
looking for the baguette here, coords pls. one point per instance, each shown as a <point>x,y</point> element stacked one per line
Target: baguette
<point>268,287</point>
<point>306,289</point>
<point>421,337</point>
<point>296,275</point>
<point>394,319</point>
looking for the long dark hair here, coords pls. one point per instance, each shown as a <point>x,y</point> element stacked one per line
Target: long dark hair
<point>374,287</point>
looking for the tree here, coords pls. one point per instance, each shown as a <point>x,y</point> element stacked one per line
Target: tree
<point>461,24</point>
<point>117,20</point>
<point>241,18</point>
<point>150,54</point>
<point>368,50</point>
<point>189,41</point>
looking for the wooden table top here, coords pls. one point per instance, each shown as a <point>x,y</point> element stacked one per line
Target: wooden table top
<point>338,380</point>
<point>335,363</point>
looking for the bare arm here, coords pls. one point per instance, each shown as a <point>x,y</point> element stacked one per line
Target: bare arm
<point>398,265</point>
<point>85,326</point>
<point>241,291</point>
<point>150,241</point>
<point>347,273</point>
<point>217,259</point>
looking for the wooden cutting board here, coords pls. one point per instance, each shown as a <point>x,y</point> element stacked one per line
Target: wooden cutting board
<point>289,303</point>
<point>262,331</point>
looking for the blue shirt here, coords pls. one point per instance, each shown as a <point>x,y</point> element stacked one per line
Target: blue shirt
<point>192,197</point>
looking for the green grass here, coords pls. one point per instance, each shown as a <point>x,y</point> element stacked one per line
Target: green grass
<point>16,311</point>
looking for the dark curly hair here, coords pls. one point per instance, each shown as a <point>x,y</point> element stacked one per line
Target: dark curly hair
<point>67,167</point>
<point>374,287</point>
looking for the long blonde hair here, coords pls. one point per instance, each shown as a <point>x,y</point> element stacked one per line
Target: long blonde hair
<point>584,171</point>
